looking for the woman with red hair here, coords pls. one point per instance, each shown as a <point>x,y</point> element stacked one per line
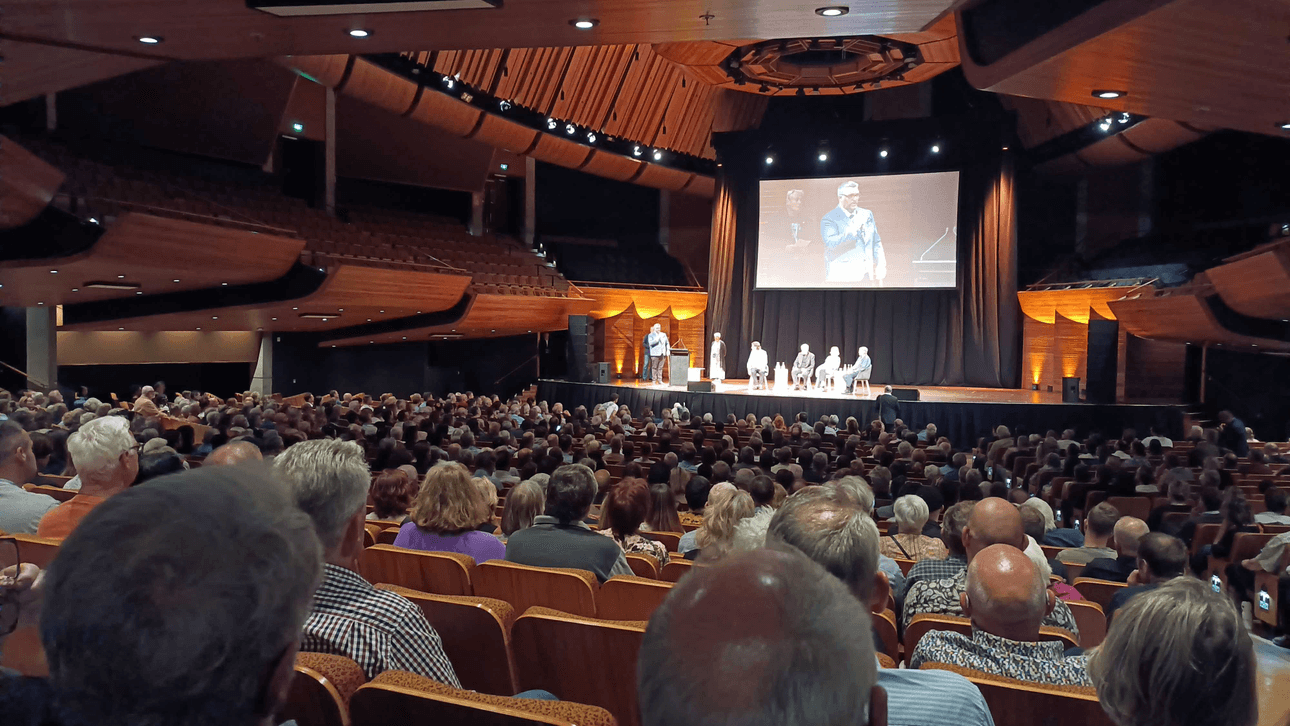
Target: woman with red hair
<point>624,510</point>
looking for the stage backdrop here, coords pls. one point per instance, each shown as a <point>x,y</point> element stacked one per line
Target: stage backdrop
<point>969,336</point>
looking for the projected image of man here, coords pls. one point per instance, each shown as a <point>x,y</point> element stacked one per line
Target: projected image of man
<point>852,247</point>
<point>794,221</point>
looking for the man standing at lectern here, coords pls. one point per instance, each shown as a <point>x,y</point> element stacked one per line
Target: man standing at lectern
<point>852,247</point>
<point>656,344</point>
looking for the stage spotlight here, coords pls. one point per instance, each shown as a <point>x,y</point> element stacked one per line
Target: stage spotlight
<point>883,153</point>
<point>936,148</point>
<point>636,151</point>
<point>591,138</point>
<point>770,160</point>
<point>570,129</point>
<point>1104,125</point>
<point>551,124</point>
<point>504,105</point>
<point>1124,118</point>
<point>824,156</point>
<point>449,82</point>
<point>1109,94</point>
<point>658,155</point>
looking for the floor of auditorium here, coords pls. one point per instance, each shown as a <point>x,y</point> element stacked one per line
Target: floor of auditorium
<point>1274,680</point>
<point>932,394</point>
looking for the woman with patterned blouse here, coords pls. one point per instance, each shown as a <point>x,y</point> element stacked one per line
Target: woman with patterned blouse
<point>622,514</point>
<point>910,543</point>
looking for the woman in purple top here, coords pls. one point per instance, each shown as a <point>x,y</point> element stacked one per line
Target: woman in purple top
<point>445,514</point>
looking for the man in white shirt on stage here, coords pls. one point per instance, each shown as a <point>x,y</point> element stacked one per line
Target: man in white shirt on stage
<point>658,350</point>
<point>758,367</point>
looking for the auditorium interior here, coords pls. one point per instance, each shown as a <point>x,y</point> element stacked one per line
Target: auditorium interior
<point>442,233</point>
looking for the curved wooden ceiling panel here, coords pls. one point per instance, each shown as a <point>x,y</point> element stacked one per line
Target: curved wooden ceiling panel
<point>702,186</point>
<point>664,177</point>
<point>555,150</point>
<point>612,166</point>
<point>327,70</point>
<point>489,316</point>
<point>449,114</point>
<point>27,184</point>
<point>505,134</point>
<point>372,84</point>
<point>1257,285</point>
<point>1182,316</point>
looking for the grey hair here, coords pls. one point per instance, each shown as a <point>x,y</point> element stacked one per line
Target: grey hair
<point>911,511</point>
<point>844,186</point>
<point>828,526</point>
<point>859,491</point>
<point>182,620</point>
<point>330,480</point>
<point>1046,511</point>
<point>96,447</point>
<point>1177,655</point>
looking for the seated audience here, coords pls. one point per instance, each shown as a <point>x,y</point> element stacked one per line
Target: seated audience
<point>559,538</point>
<point>233,453</point>
<point>1274,498</point>
<point>622,515</point>
<point>909,542</point>
<point>662,515</point>
<point>955,560</point>
<point>139,624</point>
<point>1161,557</point>
<point>1007,600</point>
<point>1099,525</point>
<point>20,510</point>
<point>392,493</point>
<point>727,506</point>
<point>750,533</point>
<point>488,493</point>
<point>158,463</point>
<point>1205,677</point>
<point>107,461</point>
<point>1128,531</point>
<point>992,521</point>
<point>377,629</point>
<point>1178,492</point>
<point>830,527</point>
<point>524,503</point>
<point>768,639</point>
<point>696,498</point>
<point>446,515</point>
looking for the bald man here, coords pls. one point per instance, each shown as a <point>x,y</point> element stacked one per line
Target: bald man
<point>1125,538</point>
<point>765,639</point>
<point>993,521</point>
<point>233,453</point>
<point>1007,599</point>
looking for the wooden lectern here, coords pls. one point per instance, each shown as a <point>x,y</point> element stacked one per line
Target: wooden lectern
<point>678,367</point>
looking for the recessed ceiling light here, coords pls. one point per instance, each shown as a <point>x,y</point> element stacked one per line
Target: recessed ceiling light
<point>149,39</point>
<point>120,277</point>
<point>359,33</point>
<point>770,160</point>
<point>584,23</point>
<point>75,289</point>
<point>298,127</point>
<point>214,317</point>
<point>94,220</point>
<point>40,303</point>
<point>936,148</point>
<point>505,167</point>
<point>405,337</point>
<point>1109,94</point>
<point>883,153</point>
<point>295,308</point>
<point>53,272</point>
<point>174,280</point>
<point>120,328</point>
<point>199,328</point>
<point>658,155</point>
<point>275,318</point>
<point>382,312</point>
<point>224,284</point>
<point>138,292</point>
<point>1284,125</point>
<point>833,11</point>
<point>823,156</point>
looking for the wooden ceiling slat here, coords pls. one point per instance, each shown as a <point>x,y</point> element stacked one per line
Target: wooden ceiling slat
<point>449,114</point>
<point>663,177</point>
<point>373,84</point>
<point>505,134</point>
<point>612,166</point>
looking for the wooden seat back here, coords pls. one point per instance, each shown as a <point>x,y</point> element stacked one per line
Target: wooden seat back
<point>387,536</point>
<point>675,569</point>
<point>1018,703</point>
<point>670,540</point>
<point>1244,546</point>
<point>1098,591</point>
<point>370,532</point>
<point>321,689</point>
<point>1050,552</point>
<point>630,598</point>
<point>61,495</point>
<point>884,623</point>
<point>924,623</point>
<point>567,590</point>
<point>441,573</point>
<point>905,565</point>
<point>1091,621</point>
<point>643,565</point>
<point>1073,572</point>
<point>1139,507</point>
<point>396,697</point>
<point>476,635</point>
<point>1204,535</point>
<point>39,551</point>
<point>581,659</point>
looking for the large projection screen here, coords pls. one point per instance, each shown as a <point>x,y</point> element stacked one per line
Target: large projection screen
<point>896,231</point>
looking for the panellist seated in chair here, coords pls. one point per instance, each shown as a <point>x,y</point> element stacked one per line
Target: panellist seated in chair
<point>803,367</point>
<point>826,371</point>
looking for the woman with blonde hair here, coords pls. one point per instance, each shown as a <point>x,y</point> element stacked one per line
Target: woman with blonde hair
<point>487,490</point>
<point>445,514</point>
<point>726,507</point>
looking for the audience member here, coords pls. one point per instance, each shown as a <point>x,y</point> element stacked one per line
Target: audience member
<point>1161,557</point>
<point>696,498</point>
<point>750,533</point>
<point>107,461</point>
<point>624,512</point>
<point>377,629</point>
<point>559,538</point>
<point>1274,498</point>
<point>727,507</point>
<point>392,494</point>
<point>158,463</point>
<point>662,516</point>
<point>1099,525</point>
<point>524,504</point>
<point>955,560</point>
<point>446,514</point>
<point>1127,533</point>
<point>20,510</point>
<point>233,453</point>
<point>909,543</point>
<point>1007,599</point>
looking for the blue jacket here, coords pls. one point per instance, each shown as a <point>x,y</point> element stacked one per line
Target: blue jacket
<point>838,241</point>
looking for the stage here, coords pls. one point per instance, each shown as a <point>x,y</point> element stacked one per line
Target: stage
<point>961,413</point>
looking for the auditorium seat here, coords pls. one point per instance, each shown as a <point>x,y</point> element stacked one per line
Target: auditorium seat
<point>581,659</point>
<point>321,689</point>
<point>1073,572</point>
<point>643,565</point>
<point>61,495</point>
<point>924,623</point>
<point>675,569</point>
<point>476,635</point>
<point>884,624</point>
<point>1098,591</point>
<point>1244,546</point>
<point>441,573</point>
<point>397,697</point>
<point>1091,621</point>
<point>387,536</point>
<point>1205,534</point>
<point>630,598</point>
<point>1139,507</point>
<point>370,531</point>
<point>1019,703</point>
<point>568,590</point>
<point>670,540</point>
<point>905,565</point>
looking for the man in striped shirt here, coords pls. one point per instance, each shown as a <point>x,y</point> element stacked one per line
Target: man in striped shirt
<point>377,629</point>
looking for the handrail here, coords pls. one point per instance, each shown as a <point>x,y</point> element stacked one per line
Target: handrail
<point>639,286</point>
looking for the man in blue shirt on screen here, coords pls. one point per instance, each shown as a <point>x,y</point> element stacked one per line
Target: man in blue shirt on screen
<point>852,247</point>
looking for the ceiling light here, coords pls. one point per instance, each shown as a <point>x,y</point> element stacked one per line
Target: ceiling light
<point>298,127</point>
<point>94,220</point>
<point>833,11</point>
<point>140,292</point>
<point>770,160</point>
<point>569,129</point>
<point>504,105</point>
<point>149,39</point>
<point>1109,94</point>
<point>295,308</point>
<point>591,138</point>
<point>584,23</point>
<point>1104,125</point>
<point>658,155</point>
<point>505,167</point>
<point>175,281</point>
<point>1284,125</point>
<point>224,284</point>
<point>275,318</point>
<point>824,156</point>
<point>214,317</point>
<point>120,277</point>
<point>359,33</point>
<point>382,312</point>
<point>75,289</point>
<point>936,148</point>
<point>120,328</point>
<point>551,124</point>
<point>405,337</point>
<point>40,303</point>
<point>636,151</point>
<point>199,328</point>
<point>449,83</point>
<point>883,153</point>
<point>1124,118</point>
<point>53,272</point>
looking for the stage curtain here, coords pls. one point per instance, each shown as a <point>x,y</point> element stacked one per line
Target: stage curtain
<point>969,336</point>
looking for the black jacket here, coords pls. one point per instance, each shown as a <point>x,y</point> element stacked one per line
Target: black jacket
<point>888,408</point>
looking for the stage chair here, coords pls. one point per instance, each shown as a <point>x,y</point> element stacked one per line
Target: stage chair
<point>1091,621</point>
<point>1018,703</point>
<point>397,697</point>
<point>580,659</point>
<point>670,540</point>
<point>1139,507</point>
<point>564,589</point>
<point>441,573</point>
<point>643,565</point>
<point>885,625</point>
<point>675,569</point>
<point>321,689</point>
<point>630,598</point>
<point>1098,591</point>
<point>476,635</point>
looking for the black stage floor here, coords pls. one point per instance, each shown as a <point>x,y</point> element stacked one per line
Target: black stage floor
<point>961,413</point>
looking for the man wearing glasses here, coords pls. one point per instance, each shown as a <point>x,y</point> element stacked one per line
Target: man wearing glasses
<point>20,510</point>
<point>107,460</point>
<point>852,247</point>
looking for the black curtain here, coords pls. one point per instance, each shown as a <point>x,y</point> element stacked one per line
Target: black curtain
<point>969,336</point>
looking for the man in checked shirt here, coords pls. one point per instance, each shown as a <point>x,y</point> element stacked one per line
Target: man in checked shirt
<point>377,629</point>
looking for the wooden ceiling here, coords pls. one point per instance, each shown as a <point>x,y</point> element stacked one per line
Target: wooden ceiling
<point>1182,314</point>
<point>1207,63</point>
<point>1256,284</point>
<point>27,184</point>
<point>153,252</point>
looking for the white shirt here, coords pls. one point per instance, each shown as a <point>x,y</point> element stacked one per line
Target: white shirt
<point>832,363</point>
<point>1164,442</point>
<point>757,359</point>
<point>1271,518</point>
<point>611,408</point>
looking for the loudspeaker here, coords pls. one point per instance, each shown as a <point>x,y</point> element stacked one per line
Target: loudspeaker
<point>905,394</point>
<point>602,372</point>
<point>1103,350</point>
<point>703,385</point>
<point>579,348</point>
<point>1070,389</point>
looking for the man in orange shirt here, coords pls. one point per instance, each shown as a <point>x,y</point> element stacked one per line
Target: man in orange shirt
<point>107,459</point>
<point>144,404</point>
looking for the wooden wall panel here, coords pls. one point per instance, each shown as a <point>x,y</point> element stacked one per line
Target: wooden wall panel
<point>1155,371</point>
<point>1072,348</point>
<point>622,343</point>
<point>690,332</point>
<point>1039,346</point>
<point>113,347</point>
<point>647,303</point>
